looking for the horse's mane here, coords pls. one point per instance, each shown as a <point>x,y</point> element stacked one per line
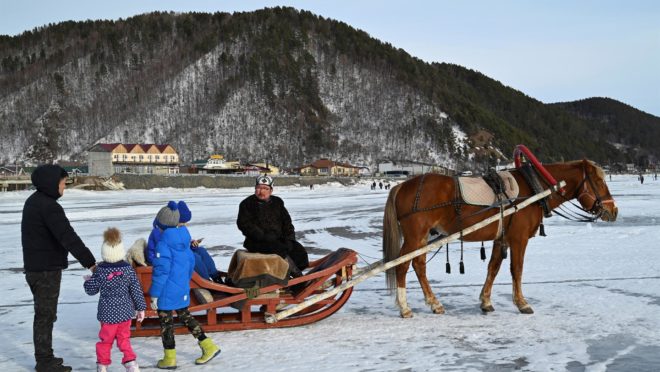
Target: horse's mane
<point>599,171</point>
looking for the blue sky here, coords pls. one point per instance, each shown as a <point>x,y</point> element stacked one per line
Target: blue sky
<point>553,51</point>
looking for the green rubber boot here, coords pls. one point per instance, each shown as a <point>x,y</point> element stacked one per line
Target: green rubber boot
<point>209,351</point>
<point>168,361</point>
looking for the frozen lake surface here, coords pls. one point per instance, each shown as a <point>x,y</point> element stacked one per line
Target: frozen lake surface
<point>595,290</point>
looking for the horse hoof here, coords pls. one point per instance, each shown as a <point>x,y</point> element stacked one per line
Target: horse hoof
<point>406,313</point>
<point>487,309</point>
<point>439,309</point>
<point>526,309</point>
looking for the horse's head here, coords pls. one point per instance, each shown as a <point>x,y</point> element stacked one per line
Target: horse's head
<point>593,195</point>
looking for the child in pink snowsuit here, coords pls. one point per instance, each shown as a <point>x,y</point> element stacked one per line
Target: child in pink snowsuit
<point>121,296</point>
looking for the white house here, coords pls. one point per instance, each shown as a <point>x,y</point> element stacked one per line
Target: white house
<point>409,168</point>
<point>106,159</point>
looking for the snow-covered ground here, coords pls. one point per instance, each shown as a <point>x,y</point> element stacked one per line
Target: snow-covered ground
<point>595,289</point>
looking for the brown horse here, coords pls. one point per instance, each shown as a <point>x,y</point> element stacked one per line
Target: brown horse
<point>435,199</point>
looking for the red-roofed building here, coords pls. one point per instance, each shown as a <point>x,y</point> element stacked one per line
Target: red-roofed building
<point>106,159</point>
<point>330,168</point>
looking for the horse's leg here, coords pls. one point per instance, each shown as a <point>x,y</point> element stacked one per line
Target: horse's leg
<point>493,268</point>
<point>419,264</point>
<point>401,271</point>
<point>517,259</point>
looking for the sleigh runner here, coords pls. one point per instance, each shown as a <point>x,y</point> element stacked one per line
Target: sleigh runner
<point>221,307</point>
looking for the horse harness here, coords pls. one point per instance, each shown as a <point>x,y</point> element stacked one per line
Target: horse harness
<point>457,201</point>
<point>495,182</point>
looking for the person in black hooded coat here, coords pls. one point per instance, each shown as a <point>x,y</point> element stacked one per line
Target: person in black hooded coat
<point>48,238</point>
<point>267,226</point>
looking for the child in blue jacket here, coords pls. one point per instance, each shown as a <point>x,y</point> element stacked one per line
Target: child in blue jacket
<point>121,296</point>
<point>204,264</point>
<point>170,286</point>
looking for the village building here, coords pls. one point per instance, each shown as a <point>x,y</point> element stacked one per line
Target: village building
<point>74,168</point>
<point>13,170</point>
<point>364,171</point>
<point>15,177</point>
<point>106,159</point>
<point>216,164</point>
<point>329,168</point>
<point>254,170</point>
<point>268,168</point>
<point>404,168</point>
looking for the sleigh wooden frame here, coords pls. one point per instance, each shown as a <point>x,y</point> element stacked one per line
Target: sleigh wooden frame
<point>234,309</point>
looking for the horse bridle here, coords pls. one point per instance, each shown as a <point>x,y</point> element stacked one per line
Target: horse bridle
<point>597,209</point>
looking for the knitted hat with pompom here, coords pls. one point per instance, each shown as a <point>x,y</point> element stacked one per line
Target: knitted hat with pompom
<point>185,215</point>
<point>168,216</point>
<point>112,249</point>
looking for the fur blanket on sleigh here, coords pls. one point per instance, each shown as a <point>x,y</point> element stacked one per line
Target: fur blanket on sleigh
<point>255,269</point>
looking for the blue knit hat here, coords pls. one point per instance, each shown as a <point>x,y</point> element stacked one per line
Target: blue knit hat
<point>185,214</point>
<point>168,216</point>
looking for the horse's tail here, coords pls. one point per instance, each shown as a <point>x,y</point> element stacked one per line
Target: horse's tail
<point>391,236</point>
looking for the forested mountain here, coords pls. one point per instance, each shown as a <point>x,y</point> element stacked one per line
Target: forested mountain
<point>280,85</point>
<point>635,133</point>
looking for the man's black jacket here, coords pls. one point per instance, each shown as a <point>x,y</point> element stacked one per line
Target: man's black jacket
<point>46,233</point>
<point>266,225</point>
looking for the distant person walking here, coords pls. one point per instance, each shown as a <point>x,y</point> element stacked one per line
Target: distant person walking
<point>48,238</point>
<point>380,184</point>
<point>641,178</point>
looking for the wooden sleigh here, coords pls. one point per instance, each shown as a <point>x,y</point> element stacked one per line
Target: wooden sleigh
<point>232,308</point>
